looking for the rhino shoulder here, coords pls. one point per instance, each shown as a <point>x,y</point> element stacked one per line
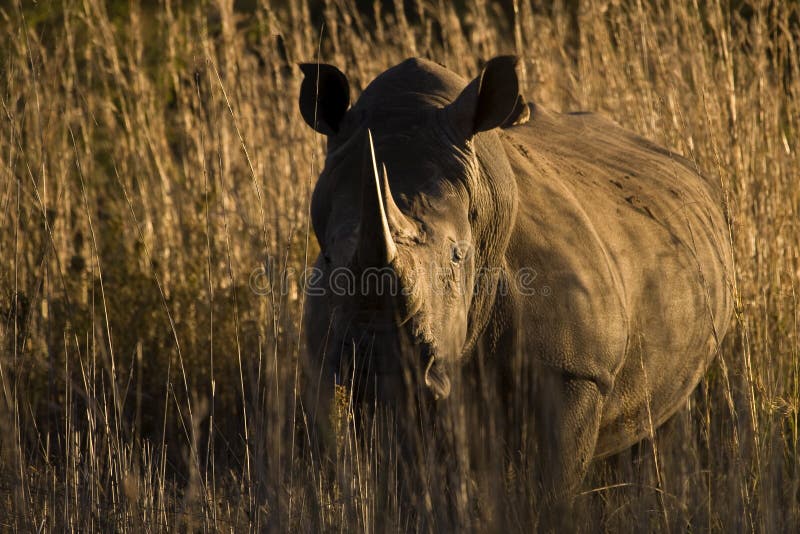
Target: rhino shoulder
<point>570,295</point>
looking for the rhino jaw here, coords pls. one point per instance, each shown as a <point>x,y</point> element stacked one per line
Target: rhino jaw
<point>436,379</point>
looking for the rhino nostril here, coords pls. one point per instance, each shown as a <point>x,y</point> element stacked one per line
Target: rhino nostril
<point>436,379</point>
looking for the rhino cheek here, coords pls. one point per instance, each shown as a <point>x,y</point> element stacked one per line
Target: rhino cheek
<point>454,334</point>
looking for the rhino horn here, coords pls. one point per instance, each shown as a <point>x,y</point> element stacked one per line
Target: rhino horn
<point>376,247</point>
<point>397,220</point>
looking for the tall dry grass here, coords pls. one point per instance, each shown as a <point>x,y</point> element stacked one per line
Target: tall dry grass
<point>153,161</point>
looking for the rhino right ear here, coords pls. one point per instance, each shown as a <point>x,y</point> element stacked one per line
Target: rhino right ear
<point>324,97</point>
<point>492,99</point>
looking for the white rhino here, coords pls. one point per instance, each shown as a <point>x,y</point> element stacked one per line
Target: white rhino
<point>440,193</point>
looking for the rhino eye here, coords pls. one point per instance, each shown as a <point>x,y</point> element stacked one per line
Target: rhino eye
<point>456,254</point>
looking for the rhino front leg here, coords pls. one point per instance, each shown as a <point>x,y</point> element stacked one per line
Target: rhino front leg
<point>568,414</point>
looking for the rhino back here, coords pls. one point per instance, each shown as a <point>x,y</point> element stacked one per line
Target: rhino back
<point>633,245</point>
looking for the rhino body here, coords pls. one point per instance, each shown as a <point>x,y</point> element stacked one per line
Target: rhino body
<point>623,246</point>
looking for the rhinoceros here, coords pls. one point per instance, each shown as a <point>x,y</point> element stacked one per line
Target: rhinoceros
<point>457,220</point>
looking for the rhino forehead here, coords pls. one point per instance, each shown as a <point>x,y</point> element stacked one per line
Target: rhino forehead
<point>424,168</point>
<point>414,84</point>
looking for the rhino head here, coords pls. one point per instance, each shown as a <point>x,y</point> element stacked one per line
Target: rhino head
<point>412,211</point>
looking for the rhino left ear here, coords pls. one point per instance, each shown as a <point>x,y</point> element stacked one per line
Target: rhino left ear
<point>490,100</point>
<point>324,97</point>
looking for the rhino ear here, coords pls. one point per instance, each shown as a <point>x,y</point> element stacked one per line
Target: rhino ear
<point>490,100</point>
<point>324,97</point>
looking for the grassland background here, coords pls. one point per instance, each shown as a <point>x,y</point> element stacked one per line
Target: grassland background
<point>152,158</point>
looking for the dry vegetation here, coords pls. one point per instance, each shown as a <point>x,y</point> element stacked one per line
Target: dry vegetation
<point>151,160</point>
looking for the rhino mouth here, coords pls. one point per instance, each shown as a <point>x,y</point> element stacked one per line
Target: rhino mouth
<point>436,378</point>
<point>435,374</point>
<point>421,357</point>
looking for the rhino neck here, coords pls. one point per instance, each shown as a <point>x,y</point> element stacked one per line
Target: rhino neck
<point>493,213</point>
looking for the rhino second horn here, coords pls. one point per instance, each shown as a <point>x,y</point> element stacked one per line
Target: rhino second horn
<point>376,247</point>
<point>397,220</point>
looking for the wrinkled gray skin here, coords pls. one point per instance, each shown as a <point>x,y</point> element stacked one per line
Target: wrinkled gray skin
<point>627,241</point>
